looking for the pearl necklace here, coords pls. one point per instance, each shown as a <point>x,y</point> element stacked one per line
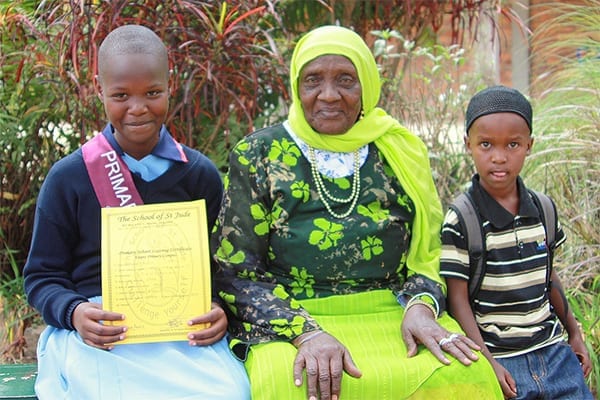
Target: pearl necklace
<point>324,194</point>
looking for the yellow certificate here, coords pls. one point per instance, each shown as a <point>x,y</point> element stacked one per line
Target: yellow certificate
<point>156,268</point>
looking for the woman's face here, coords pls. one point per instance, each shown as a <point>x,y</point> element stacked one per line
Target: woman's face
<point>330,94</point>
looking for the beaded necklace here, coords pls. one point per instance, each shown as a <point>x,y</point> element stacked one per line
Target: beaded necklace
<point>324,194</point>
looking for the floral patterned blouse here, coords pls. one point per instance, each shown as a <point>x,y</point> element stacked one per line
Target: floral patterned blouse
<point>275,242</point>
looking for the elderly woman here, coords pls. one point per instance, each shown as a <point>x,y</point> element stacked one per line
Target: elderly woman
<point>328,246</point>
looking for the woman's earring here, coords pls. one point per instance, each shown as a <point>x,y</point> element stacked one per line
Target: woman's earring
<point>362,114</point>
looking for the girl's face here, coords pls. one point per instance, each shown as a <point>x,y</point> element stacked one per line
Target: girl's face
<point>330,94</point>
<point>134,89</point>
<point>499,144</point>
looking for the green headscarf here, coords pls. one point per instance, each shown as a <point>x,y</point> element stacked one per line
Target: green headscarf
<point>405,152</point>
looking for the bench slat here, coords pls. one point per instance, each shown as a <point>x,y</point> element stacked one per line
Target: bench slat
<point>17,381</point>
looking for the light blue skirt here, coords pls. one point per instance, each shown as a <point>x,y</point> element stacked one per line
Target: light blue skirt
<point>70,369</point>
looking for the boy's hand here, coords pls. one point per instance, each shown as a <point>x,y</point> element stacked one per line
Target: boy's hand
<point>217,327</point>
<point>508,384</point>
<point>87,319</point>
<point>582,354</point>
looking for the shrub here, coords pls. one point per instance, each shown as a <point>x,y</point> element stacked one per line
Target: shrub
<point>564,162</point>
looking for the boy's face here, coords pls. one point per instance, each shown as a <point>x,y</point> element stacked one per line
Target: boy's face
<point>134,89</point>
<point>499,144</point>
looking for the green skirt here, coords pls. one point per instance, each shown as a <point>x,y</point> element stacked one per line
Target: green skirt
<point>368,324</point>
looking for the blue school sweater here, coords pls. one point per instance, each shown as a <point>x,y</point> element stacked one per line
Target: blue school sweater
<point>63,266</point>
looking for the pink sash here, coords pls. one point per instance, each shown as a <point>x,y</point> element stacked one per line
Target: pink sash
<point>110,177</point>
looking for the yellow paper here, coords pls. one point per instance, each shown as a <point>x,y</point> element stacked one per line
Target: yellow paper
<point>156,269</point>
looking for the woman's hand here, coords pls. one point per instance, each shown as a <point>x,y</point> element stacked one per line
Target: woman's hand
<point>86,320</point>
<point>420,326</point>
<point>217,327</point>
<point>325,360</point>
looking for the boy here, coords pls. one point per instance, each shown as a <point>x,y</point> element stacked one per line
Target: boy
<point>76,358</point>
<point>517,322</point>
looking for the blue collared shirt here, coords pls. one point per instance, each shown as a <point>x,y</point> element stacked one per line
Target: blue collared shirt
<point>163,155</point>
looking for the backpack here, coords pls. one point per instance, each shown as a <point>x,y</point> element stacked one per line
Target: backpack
<point>468,216</point>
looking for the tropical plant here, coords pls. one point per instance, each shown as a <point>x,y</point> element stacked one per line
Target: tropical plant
<point>412,19</point>
<point>26,151</point>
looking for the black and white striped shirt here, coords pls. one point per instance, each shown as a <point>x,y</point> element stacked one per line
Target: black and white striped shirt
<point>512,308</point>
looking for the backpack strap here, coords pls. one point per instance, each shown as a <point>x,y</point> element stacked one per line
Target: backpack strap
<point>547,212</point>
<point>474,236</point>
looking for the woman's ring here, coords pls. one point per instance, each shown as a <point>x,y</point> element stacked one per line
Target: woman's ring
<point>448,339</point>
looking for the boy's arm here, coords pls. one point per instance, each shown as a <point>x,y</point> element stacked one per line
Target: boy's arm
<point>460,308</point>
<point>454,266</point>
<point>559,303</point>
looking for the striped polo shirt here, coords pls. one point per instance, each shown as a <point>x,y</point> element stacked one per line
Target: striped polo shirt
<point>512,308</point>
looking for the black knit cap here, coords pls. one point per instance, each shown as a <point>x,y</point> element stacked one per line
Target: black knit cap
<point>497,99</point>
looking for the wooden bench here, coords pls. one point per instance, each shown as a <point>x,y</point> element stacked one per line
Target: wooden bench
<point>17,381</point>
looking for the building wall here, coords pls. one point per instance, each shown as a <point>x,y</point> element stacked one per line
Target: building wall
<point>512,48</point>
